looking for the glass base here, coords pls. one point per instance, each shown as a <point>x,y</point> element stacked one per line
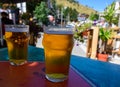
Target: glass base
<point>18,64</point>
<point>56,77</point>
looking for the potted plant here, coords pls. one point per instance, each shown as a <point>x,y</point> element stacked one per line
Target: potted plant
<point>109,14</point>
<point>81,31</point>
<point>104,35</point>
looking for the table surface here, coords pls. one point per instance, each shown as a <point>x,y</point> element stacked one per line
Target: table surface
<point>94,72</point>
<point>32,74</point>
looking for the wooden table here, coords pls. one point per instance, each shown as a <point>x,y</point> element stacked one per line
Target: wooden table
<point>84,72</point>
<point>32,74</point>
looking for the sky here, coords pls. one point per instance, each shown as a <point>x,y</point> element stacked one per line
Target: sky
<point>98,5</point>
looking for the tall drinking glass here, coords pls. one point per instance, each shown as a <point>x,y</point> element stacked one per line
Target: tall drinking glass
<point>17,38</point>
<point>58,44</point>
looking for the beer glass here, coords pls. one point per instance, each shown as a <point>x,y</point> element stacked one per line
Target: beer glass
<point>17,38</point>
<point>58,44</point>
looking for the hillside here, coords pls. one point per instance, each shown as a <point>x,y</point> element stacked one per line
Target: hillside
<point>80,8</point>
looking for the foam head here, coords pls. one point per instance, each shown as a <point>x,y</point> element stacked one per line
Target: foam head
<point>16,28</point>
<point>58,30</point>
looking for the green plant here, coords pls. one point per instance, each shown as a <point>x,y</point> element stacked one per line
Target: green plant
<point>41,12</point>
<point>94,17</point>
<point>79,30</point>
<point>109,14</point>
<point>25,16</point>
<point>104,34</point>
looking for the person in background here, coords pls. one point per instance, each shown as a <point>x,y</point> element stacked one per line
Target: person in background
<point>103,23</point>
<point>51,19</point>
<point>5,18</point>
<point>5,21</point>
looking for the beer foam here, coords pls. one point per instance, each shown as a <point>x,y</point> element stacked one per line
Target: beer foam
<point>16,28</point>
<point>58,30</point>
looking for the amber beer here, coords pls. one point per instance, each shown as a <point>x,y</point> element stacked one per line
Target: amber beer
<point>58,45</point>
<point>17,38</point>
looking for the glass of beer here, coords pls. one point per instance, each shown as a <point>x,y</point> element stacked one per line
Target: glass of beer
<point>58,44</point>
<point>17,39</point>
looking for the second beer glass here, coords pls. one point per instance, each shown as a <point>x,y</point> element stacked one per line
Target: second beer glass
<point>17,38</point>
<point>58,44</point>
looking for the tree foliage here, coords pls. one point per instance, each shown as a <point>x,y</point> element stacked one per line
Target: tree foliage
<point>31,6</point>
<point>109,14</point>
<point>67,11</point>
<point>72,1</point>
<point>53,9</point>
<point>41,12</point>
<point>73,14</point>
<point>94,17</point>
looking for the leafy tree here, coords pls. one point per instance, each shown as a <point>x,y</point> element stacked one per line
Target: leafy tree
<point>54,8</point>
<point>94,17</point>
<point>41,12</point>
<point>66,12</point>
<point>72,1</point>
<point>73,14</point>
<point>31,4</point>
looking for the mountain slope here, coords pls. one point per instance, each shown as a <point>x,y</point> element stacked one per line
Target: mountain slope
<point>80,8</point>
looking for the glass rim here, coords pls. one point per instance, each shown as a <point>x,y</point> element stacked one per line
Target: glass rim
<point>17,28</point>
<point>58,30</point>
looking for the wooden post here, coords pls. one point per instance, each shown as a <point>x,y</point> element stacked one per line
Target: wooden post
<point>116,44</point>
<point>92,42</point>
<point>89,42</point>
